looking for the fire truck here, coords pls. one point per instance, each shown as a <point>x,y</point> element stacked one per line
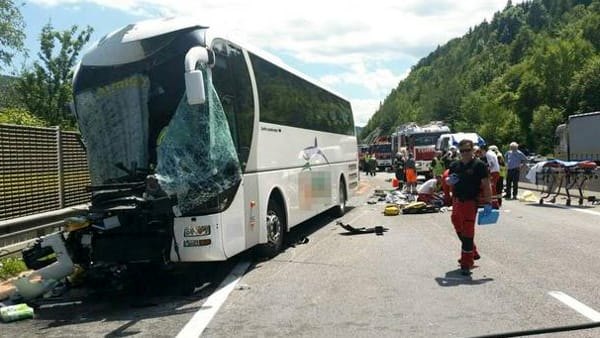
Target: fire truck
<point>382,148</point>
<point>419,141</point>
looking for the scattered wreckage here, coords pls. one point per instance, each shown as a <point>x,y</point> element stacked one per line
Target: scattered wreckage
<point>396,202</point>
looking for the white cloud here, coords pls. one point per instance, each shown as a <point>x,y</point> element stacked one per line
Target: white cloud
<point>372,44</point>
<point>363,109</point>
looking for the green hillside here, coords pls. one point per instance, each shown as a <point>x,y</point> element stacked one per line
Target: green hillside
<point>512,79</point>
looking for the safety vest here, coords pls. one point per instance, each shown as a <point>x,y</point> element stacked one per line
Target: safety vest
<point>502,172</point>
<point>438,167</point>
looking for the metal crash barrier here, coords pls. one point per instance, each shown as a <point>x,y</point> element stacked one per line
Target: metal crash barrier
<point>555,175</point>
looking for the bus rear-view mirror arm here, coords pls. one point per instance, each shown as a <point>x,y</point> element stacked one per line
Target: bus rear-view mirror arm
<point>194,80</point>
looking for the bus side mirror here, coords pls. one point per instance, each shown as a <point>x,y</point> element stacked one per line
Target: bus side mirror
<point>194,80</point>
<point>194,87</point>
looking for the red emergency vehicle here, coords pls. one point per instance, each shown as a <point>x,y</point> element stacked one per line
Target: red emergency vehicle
<point>420,141</point>
<point>382,148</point>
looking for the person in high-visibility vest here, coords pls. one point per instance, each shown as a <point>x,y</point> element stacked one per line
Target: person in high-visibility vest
<point>437,164</point>
<point>367,163</point>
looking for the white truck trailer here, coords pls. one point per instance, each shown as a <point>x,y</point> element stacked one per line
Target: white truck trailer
<point>576,140</point>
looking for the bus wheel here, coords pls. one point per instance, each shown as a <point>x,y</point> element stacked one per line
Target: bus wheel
<point>340,209</point>
<point>275,229</point>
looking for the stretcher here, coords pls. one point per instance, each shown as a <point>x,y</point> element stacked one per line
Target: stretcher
<point>554,175</point>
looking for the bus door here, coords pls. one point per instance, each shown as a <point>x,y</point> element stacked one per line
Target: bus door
<point>231,79</point>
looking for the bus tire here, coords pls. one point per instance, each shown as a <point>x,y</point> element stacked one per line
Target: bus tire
<point>275,224</point>
<point>340,209</point>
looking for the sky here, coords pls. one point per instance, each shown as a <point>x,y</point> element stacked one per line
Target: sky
<point>361,49</point>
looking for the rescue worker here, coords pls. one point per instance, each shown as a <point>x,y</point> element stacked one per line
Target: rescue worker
<point>446,188</point>
<point>399,169</point>
<point>410,172</point>
<point>501,173</point>
<point>450,156</point>
<point>373,165</point>
<point>428,191</point>
<point>494,171</point>
<point>467,176</point>
<point>437,164</point>
<point>367,163</point>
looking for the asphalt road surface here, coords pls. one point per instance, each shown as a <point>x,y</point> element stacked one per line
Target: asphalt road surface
<point>539,268</point>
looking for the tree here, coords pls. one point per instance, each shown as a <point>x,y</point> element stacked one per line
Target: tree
<point>537,16</point>
<point>509,24</point>
<point>46,90</point>
<point>583,93</point>
<point>545,120</point>
<point>529,97</point>
<point>19,116</point>
<point>591,30</point>
<point>8,93</point>
<point>11,32</point>
<point>521,45</point>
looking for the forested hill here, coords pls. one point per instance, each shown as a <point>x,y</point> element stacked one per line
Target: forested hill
<point>512,79</point>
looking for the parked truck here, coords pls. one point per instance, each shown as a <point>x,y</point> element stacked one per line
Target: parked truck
<point>576,139</point>
<point>419,141</point>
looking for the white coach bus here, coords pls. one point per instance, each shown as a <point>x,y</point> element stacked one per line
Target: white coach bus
<point>200,147</point>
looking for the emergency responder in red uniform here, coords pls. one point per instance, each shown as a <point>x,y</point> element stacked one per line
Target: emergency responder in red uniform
<point>494,170</point>
<point>467,176</point>
<point>446,188</point>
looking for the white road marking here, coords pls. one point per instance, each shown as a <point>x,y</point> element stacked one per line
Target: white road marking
<point>208,310</point>
<point>585,211</point>
<point>573,303</point>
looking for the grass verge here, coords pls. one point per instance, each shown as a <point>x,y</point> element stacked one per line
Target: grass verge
<point>10,267</point>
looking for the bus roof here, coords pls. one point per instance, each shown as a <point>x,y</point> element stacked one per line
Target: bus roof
<point>155,27</point>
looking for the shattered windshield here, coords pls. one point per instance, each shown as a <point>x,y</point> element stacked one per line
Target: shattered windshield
<point>191,147</point>
<point>197,160</point>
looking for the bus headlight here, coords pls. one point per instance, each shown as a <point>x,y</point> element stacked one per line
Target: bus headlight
<point>196,230</point>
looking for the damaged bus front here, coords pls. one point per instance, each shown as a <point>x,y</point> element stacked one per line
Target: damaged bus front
<point>200,147</point>
<point>158,144</point>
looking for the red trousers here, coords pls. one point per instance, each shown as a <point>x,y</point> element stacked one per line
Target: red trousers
<point>463,219</point>
<point>446,188</point>
<point>425,198</point>
<point>494,177</point>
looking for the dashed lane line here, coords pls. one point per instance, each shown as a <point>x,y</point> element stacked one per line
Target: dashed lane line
<point>576,305</point>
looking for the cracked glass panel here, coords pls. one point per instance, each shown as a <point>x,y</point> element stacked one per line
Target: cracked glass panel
<point>197,160</point>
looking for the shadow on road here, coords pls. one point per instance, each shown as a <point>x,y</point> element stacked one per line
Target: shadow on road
<point>454,278</point>
<point>158,298</point>
<point>560,206</point>
<point>300,233</point>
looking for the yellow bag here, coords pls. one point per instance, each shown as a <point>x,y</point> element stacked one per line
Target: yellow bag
<point>391,210</point>
<point>419,208</point>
